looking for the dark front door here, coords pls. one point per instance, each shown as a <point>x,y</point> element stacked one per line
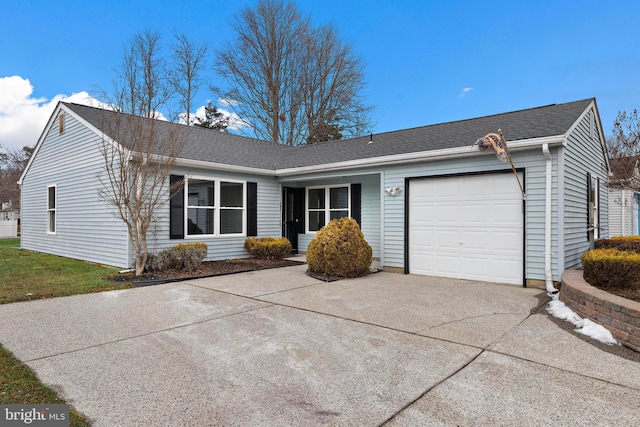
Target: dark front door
<point>292,214</point>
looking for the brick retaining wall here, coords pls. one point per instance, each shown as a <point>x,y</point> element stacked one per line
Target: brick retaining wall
<point>619,315</point>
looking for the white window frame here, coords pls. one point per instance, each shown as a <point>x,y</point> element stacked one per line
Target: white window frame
<point>217,208</point>
<point>327,204</point>
<point>53,210</point>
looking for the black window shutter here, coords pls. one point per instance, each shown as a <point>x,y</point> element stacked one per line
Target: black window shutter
<point>252,208</point>
<point>298,207</point>
<point>589,219</point>
<point>176,208</point>
<point>598,201</point>
<point>356,203</point>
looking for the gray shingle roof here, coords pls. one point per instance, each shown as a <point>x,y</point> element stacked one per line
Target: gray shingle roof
<point>200,143</point>
<point>221,147</point>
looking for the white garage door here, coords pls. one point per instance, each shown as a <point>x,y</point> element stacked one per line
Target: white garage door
<point>467,227</point>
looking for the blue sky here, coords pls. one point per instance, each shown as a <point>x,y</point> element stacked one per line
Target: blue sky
<point>425,61</point>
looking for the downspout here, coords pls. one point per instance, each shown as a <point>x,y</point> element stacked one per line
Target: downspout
<point>548,277</point>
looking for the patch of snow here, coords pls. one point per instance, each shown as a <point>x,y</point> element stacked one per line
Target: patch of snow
<point>559,310</point>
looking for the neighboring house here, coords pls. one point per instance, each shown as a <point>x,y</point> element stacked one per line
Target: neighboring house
<point>427,200</point>
<point>624,201</point>
<point>9,218</point>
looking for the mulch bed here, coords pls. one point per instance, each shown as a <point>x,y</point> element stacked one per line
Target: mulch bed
<point>206,269</point>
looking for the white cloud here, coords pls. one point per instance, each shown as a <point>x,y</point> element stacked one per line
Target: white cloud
<point>465,91</point>
<point>228,102</point>
<point>23,117</point>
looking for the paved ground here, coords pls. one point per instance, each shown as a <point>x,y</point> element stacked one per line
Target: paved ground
<point>278,348</point>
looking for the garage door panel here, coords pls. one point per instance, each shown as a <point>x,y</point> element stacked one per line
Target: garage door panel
<point>503,242</point>
<point>468,227</point>
<point>446,264</point>
<point>475,214</point>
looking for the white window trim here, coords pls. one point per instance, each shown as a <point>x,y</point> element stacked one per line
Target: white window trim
<point>216,207</point>
<point>54,210</point>
<point>327,203</point>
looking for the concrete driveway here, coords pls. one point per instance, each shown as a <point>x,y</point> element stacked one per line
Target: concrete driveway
<point>278,348</point>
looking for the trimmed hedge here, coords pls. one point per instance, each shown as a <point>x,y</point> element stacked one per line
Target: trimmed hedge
<point>268,247</point>
<point>621,243</point>
<point>183,256</point>
<point>612,268</point>
<point>339,250</point>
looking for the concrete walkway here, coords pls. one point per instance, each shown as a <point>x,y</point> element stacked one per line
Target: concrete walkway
<point>278,348</point>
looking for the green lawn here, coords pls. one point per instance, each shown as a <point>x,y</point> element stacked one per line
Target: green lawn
<point>18,384</point>
<point>26,275</point>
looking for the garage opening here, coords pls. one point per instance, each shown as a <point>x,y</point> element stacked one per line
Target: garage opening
<point>467,227</point>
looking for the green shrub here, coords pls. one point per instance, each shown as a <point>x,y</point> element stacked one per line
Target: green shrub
<point>339,249</point>
<point>612,268</point>
<point>268,247</point>
<point>621,243</point>
<point>183,256</point>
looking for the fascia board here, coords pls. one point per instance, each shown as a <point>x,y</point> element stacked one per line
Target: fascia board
<point>418,156</point>
<point>368,162</point>
<point>219,166</point>
<point>575,124</point>
<point>40,140</point>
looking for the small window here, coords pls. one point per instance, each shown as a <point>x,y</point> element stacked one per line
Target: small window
<point>325,204</point>
<point>51,209</point>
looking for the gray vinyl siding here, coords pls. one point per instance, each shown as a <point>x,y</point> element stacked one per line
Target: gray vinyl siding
<point>87,228</point>
<point>370,202</point>
<point>583,154</point>
<point>623,207</point>
<point>532,161</point>
<point>226,247</point>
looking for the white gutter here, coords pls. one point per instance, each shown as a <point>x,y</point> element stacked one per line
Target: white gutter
<point>219,166</point>
<point>417,156</point>
<point>548,277</point>
<point>393,159</point>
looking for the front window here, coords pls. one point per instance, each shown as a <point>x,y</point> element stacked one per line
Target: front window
<point>51,209</point>
<point>325,204</point>
<point>214,207</point>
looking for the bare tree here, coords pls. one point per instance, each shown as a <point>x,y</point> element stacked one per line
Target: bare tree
<point>624,150</point>
<point>139,151</point>
<point>292,82</point>
<point>141,84</point>
<point>12,164</point>
<point>185,77</point>
<point>332,78</point>
<point>139,155</point>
